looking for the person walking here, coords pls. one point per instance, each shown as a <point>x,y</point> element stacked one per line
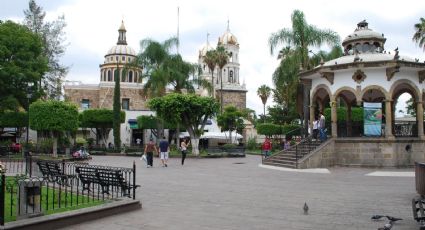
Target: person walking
<point>183,147</point>
<point>315,127</point>
<point>322,123</point>
<point>266,147</point>
<point>164,149</point>
<point>149,149</point>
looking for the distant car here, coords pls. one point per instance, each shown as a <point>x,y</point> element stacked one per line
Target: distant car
<point>15,147</point>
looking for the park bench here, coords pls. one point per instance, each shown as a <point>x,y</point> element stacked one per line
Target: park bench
<point>53,173</point>
<point>105,178</point>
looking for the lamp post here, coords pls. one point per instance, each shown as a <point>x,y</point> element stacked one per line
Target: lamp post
<point>29,95</point>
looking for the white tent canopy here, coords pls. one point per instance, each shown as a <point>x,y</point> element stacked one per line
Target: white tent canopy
<point>215,135</point>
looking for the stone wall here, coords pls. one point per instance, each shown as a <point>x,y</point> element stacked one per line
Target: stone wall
<point>366,152</point>
<point>322,157</point>
<point>235,98</point>
<point>77,95</point>
<point>103,97</point>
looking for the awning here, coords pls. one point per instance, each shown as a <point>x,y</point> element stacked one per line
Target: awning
<point>133,123</point>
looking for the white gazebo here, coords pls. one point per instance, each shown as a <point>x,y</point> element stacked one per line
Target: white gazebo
<point>367,73</point>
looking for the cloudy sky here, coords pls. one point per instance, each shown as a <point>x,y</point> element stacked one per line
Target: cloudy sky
<point>92,28</point>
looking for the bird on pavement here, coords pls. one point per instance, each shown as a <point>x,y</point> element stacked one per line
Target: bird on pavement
<point>393,219</point>
<point>305,208</point>
<point>386,227</point>
<point>377,217</point>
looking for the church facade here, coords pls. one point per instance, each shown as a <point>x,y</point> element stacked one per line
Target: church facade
<point>133,102</point>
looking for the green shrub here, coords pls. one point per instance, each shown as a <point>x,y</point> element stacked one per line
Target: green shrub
<point>251,143</point>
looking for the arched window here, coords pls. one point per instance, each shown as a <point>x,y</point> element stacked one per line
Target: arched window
<point>109,75</point>
<point>130,76</point>
<point>231,76</point>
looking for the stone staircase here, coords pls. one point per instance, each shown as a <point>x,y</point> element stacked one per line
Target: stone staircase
<point>288,158</point>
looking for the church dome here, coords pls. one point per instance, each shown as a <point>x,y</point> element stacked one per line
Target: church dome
<point>228,38</point>
<point>122,50</point>
<point>203,51</point>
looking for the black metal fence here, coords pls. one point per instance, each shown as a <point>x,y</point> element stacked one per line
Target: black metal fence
<point>34,187</point>
<point>405,129</point>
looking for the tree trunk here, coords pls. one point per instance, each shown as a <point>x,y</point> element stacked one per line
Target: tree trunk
<point>195,146</point>
<point>55,146</point>
<point>178,135</point>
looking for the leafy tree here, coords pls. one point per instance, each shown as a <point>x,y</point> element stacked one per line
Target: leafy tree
<point>101,120</point>
<point>21,62</point>
<point>282,115</point>
<point>419,35</point>
<point>231,120</point>
<point>222,58</point>
<point>54,117</point>
<point>264,93</point>
<point>18,120</point>
<point>193,111</point>
<point>117,110</point>
<point>301,36</point>
<point>268,129</point>
<point>53,38</point>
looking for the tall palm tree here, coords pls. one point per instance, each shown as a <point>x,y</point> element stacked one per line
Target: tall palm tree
<point>264,93</point>
<point>222,60</point>
<point>419,36</point>
<point>301,36</point>
<point>210,59</point>
<point>153,58</point>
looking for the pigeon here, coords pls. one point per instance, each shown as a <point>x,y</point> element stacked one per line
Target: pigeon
<point>386,227</point>
<point>393,219</point>
<point>376,217</point>
<point>305,208</point>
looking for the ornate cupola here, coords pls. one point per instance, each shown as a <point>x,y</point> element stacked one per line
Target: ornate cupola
<point>363,40</point>
<point>121,37</point>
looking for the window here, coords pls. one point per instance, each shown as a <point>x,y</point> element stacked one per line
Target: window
<point>85,103</point>
<point>109,75</point>
<point>130,76</point>
<point>231,76</point>
<point>116,58</point>
<point>125,103</point>
<point>123,58</point>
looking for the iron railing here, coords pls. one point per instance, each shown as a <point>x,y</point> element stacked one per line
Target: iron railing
<point>54,195</point>
<point>405,129</point>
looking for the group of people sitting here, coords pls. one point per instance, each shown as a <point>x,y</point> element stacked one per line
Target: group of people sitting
<point>82,153</point>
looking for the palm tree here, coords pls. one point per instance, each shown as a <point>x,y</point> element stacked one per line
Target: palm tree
<point>222,59</point>
<point>419,36</point>
<point>264,93</point>
<point>153,58</point>
<point>301,36</point>
<point>210,59</point>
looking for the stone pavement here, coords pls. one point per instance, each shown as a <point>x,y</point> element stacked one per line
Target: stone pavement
<point>234,193</point>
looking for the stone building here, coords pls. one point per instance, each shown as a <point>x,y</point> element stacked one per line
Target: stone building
<point>133,102</point>
<point>101,95</point>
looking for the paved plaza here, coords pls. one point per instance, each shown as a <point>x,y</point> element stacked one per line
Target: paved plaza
<point>235,193</point>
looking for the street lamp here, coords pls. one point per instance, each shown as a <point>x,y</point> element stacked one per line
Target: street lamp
<point>29,95</point>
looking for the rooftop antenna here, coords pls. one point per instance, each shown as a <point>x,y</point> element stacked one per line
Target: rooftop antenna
<point>178,29</point>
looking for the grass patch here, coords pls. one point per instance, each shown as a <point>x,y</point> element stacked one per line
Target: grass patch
<point>53,200</point>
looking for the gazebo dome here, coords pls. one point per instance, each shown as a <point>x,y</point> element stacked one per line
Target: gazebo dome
<point>363,40</point>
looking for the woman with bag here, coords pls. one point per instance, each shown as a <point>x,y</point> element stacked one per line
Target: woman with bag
<point>183,147</point>
<point>149,148</point>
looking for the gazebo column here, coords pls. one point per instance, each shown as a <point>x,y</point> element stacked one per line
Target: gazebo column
<point>312,107</point>
<point>388,120</point>
<point>420,119</point>
<point>349,122</point>
<point>334,118</point>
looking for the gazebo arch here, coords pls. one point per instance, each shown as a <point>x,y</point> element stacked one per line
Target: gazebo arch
<point>375,87</point>
<point>346,127</point>
<point>406,127</point>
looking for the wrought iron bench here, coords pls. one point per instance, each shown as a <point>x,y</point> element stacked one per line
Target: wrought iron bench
<point>53,173</point>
